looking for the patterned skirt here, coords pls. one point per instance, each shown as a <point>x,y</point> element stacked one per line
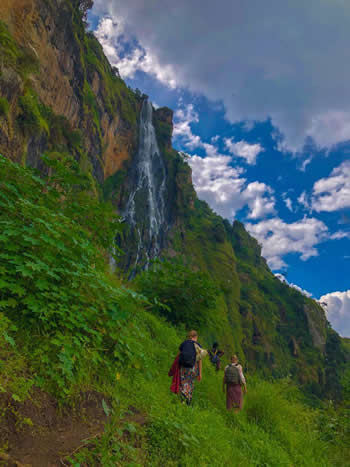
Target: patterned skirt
<point>187,379</point>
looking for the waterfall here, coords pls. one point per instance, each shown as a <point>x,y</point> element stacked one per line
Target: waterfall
<point>145,209</point>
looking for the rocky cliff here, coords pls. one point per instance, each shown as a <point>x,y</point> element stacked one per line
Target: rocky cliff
<point>60,95</point>
<point>59,90</point>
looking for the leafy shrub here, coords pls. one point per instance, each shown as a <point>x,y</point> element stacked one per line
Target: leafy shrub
<point>179,293</point>
<point>30,118</point>
<point>52,280</point>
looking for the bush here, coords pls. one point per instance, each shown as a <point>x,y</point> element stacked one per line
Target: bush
<point>30,118</point>
<point>177,292</point>
<point>52,280</point>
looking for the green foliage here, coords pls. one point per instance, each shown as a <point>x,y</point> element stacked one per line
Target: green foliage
<point>164,132</point>
<point>67,326</point>
<point>14,379</point>
<point>4,107</point>
<point>336,359</point>
<point>52,264</point>
<point>189,296</point>
<point>113,184</point>
<point>12,55</point>
<point>116,96</point>
<point>333,426</point>
<point>275,428</point>
<point>30,118</point>
<point>8,46</point>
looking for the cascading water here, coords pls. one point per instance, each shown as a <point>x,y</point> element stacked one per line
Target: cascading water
<point>145,209</point>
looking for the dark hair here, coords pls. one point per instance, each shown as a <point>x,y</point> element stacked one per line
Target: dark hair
<point>215,345</point>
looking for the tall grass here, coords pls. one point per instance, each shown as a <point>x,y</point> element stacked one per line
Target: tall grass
<point>275,428</point>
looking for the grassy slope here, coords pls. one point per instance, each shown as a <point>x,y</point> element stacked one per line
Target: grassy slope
<point>68,327</point>
<point>274,429</point>
<point>257,316</point>
<point>115,353</point>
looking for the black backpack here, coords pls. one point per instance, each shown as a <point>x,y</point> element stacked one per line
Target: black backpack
<point>232,374</point>
<point>187,354</point>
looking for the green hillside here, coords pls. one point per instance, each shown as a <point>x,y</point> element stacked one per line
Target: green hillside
<point>84,351</point>
<point>71,330</point>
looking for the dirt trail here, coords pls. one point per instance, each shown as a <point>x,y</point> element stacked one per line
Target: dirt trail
<point>54,434</point>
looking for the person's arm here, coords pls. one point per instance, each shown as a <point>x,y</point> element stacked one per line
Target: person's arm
<point>243,381</point>
<point>200,370</point>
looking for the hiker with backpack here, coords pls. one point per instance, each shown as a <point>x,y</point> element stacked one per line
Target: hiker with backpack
<point>190,365</point>
<point>233,383</point>
<point>215,354</point>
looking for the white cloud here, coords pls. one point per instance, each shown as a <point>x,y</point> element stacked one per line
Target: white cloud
<point>287,201</point>
<point>215,180</point>
<point>111,34</point>
<point>282,278</point>
<point>226,191</point>
<point>303,200</point>
<point>183,118</point>
<point>242,149</point>
<point>279,238</point>
<point>339,235</point>
<point>289,204</point>
<point>278,60</point>
<point>333,193</point>
<point>305,163</point>
<point>337,307</point>
<point>260,199</point>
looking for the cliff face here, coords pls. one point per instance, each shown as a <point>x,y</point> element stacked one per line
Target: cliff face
<point>60,95</point>
<point>57,81</point>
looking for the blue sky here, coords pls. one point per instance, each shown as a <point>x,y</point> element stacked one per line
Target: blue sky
<point>260,100</point>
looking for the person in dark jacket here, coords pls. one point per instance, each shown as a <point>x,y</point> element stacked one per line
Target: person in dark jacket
<point>190,366</point>
<point>215,355</point>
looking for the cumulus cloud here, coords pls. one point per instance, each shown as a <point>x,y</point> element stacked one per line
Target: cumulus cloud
<point>111,34</point>
<point>183,118</point>
<point>282,278</point>
<point>226,191</point>
<point>279,238</point>
<point>242,149</point>
<point>332,193</point>
<point>214,178</point>
<point>278,60</point>
<point>337,308</point>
